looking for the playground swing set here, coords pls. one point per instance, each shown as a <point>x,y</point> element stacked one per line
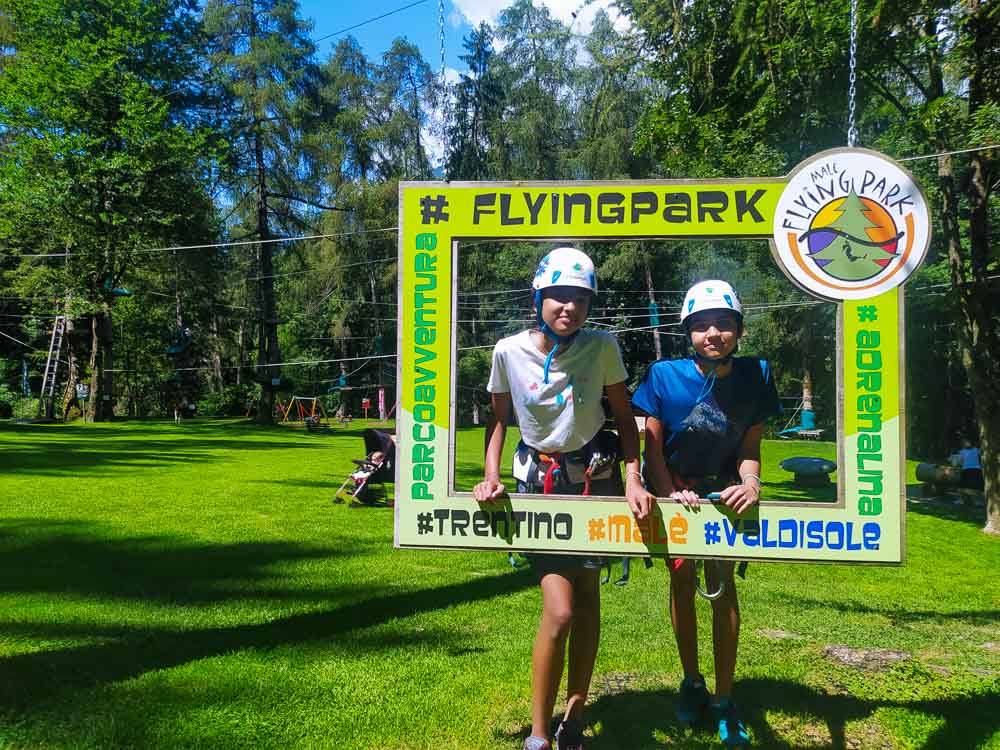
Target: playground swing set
<point>307,409</point>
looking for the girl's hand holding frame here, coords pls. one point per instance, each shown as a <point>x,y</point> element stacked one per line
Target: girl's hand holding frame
<point>489,490</point>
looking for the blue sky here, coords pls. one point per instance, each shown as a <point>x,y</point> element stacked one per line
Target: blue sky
<point>419,23</point>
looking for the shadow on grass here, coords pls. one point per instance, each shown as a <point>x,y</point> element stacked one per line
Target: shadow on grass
<point>77,559</point>
<point>332,484</point>
<point>790,490</point>
<point>947,509</point>
<point>132,428</point>
<point>27,680</point>
<point>114,455</point>
<point>896,615</point>
<point>639,720</point>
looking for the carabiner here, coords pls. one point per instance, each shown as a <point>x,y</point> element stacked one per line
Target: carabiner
<point>701,592</point>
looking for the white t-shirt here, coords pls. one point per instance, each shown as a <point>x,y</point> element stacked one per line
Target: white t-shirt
<point>565,413</point>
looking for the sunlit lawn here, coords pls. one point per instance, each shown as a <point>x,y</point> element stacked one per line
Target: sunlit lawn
<point>193,586</point>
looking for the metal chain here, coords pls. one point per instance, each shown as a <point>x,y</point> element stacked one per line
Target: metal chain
<point>852,131</point>
<point>441,34</point>
<point>445,98</point>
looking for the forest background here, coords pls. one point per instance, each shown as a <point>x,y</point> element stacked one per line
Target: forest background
<point>162,159</point>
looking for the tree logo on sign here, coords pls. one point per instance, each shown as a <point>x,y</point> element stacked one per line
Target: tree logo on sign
<point>852,238</point>
<point>851,224</point>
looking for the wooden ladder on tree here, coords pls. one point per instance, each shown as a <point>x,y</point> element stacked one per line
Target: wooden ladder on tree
<point>52,366</point>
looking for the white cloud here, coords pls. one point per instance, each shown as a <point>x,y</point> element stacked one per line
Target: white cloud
<point>430,137</point>
<point>475,11</point>
<point>432,134</point>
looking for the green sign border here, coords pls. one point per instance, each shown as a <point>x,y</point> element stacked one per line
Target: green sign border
<point>866,525</point>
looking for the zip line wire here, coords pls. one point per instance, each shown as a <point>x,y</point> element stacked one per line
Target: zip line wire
<point>271,364</point>
<point>18,341</point>
<point>368,358</point>
<point>950,153</point>
<point>348,374</point>
<point>368,21</point>
<point>235,243</point>
<point>322,270</point>
<point>239,243</point>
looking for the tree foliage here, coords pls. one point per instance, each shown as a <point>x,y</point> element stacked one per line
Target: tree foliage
<point>136,125</point>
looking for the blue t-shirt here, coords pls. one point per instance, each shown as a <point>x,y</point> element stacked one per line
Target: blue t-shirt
<point>705,418</point>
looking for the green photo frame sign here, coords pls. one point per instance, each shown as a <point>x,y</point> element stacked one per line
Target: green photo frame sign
<point>848,225</point>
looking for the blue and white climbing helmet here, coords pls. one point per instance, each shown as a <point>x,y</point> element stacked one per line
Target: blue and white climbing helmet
<point>710,295</point>
<point>565,266</point>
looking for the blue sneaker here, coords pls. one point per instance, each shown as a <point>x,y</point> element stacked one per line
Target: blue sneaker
<point>731,728</point>
<point>693,700</point>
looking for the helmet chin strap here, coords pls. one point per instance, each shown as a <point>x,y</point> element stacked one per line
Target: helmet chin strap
<point>549,333</point>
<point>713,366</point>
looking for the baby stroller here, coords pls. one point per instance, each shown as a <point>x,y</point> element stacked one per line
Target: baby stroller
<point>377,468</point>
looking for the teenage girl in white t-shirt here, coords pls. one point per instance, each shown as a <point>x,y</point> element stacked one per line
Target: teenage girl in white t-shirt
<point>553,378</point>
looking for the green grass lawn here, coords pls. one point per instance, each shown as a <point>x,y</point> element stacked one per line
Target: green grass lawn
<point>193,586</point>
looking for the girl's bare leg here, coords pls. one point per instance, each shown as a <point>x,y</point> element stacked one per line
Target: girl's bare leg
<point>725,625</point>
<point>683,618</point>
<point>550,649</point>
<point>583,640</point>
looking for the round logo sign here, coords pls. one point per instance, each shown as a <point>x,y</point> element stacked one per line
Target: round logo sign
<point>850,224</point>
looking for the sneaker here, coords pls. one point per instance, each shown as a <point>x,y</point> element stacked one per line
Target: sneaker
<point>731,728</point>
<point>693,700</point>
<point>535,743</point>
<point>569,735</point>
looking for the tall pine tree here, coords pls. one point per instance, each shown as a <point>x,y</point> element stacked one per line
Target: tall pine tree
<point>104,155</point>
<point>850,256</point>
<point>262,63</point>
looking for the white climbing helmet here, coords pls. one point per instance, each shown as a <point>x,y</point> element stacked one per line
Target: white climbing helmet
<point>565,266</point>
<point>711,295</point>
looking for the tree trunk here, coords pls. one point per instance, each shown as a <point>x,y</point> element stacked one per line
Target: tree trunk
<point>241,355</point>
<point>218,384</point>
<point>978,337</point>
<point>977,340</point>
<point>107,405</point>
<point>268,352</point>
<point>93,369</point>
<point>982,359</point>
<point>72,371</point>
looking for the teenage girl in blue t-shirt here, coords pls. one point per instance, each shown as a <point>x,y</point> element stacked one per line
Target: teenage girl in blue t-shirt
<point>705,418</point>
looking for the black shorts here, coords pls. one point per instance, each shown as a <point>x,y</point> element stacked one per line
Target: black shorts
<point>543,563</point>
<point>973,479</point>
